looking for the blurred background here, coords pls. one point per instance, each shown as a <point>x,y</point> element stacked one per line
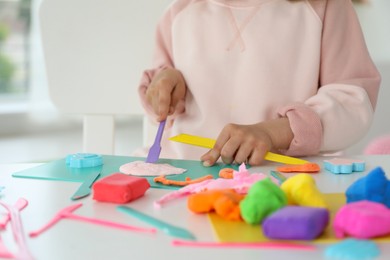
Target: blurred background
<point>32,130</point>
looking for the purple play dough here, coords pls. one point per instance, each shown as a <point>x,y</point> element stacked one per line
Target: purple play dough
<point>295,222</point>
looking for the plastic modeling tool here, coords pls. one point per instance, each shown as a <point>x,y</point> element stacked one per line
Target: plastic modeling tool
<point>4,252</point>
<point>164,226</point>
<point>209,143</point>
<point>277,175</point>
<point>18,232</point>
<point>19,205</point>
<point>155,149</point>
<point>260,245</point>
<point>67,213</point>
<point>85,188</point>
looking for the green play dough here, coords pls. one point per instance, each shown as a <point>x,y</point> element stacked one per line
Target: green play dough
<point>263,198</point>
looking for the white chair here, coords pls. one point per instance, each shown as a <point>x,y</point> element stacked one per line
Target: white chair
<point>95,52</point>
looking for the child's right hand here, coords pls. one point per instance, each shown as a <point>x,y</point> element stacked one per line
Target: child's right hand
<point>166,93</point>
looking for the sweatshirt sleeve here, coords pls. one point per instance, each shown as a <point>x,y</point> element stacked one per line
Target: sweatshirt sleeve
<point>162,57</point>
<point>341,112</point>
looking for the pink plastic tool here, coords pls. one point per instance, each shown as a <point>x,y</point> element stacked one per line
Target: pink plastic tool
<point>19,205</point>
<point>270,245</point>
<point>4,252</point>
<point>67,213</point>
<point>18,232</point>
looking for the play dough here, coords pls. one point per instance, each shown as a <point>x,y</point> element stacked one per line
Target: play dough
<point>302,190</point>
<point>119,188</point>
<point>373,187</point>
<point>225,203</point>
<point>356,249</point>
<point>241,182</point>
<point>263,198</point>
<point>362,219</point>
<point>295,222</point>
<point>140,168</point>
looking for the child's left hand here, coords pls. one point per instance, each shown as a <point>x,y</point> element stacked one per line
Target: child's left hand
<point>249,143</point>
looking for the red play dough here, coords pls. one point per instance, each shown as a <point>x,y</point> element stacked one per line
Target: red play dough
<point>119,188</point>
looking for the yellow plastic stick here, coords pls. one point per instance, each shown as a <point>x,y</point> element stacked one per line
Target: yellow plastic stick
<point>209,143</point>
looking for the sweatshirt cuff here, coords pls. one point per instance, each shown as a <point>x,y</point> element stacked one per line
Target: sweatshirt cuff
<point>306,127</point>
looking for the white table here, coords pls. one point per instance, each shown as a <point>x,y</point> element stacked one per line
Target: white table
<point>70,239</point>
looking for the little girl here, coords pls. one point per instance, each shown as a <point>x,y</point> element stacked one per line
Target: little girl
<point>292,77</point>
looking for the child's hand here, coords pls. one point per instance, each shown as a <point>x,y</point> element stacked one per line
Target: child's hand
<point>249,143</point>
<point>166,93</point>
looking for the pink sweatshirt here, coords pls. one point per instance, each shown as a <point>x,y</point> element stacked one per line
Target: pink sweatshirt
<point>246,61</point>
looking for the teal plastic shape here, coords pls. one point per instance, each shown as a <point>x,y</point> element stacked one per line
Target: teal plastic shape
<point>83,160</point>
<point>58,170</point>
<point>344,166</point>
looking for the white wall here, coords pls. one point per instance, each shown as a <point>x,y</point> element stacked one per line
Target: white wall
<point>375,21</point>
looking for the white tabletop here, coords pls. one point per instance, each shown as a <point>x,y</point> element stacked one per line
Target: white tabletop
<point>71,239</point>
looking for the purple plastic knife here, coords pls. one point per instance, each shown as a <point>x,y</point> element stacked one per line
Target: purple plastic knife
<point>155,149</point>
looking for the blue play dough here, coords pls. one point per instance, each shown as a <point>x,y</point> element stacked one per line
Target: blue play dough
<point>83,160</point>
<point>373,187</point>
<point>352,249</point>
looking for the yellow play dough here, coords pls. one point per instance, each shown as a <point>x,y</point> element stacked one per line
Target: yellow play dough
<point>302,190</point>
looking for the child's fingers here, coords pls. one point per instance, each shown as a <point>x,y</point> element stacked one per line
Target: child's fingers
<point>210,157</point>
<point>243,152</point>
<point>178,95</point>
<point>220,150</point>
<point>163,104</point>
<point>228,142</point>
<point>257,157</point>
<point>166,88</point>
<point>230,149</point>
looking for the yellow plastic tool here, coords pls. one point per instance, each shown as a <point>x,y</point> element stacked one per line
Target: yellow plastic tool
<point>209,143</point>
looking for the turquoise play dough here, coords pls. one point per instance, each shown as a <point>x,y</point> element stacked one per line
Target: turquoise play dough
<point>352,249</point>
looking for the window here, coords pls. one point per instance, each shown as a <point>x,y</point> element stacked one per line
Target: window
<point>15,19</point>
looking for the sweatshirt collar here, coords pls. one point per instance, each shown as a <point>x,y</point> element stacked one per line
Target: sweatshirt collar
<point>240,3</point>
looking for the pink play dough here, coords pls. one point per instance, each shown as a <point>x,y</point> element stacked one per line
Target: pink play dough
<point>362,219</point>
<point>140,168</point>
<point>241,183</point>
